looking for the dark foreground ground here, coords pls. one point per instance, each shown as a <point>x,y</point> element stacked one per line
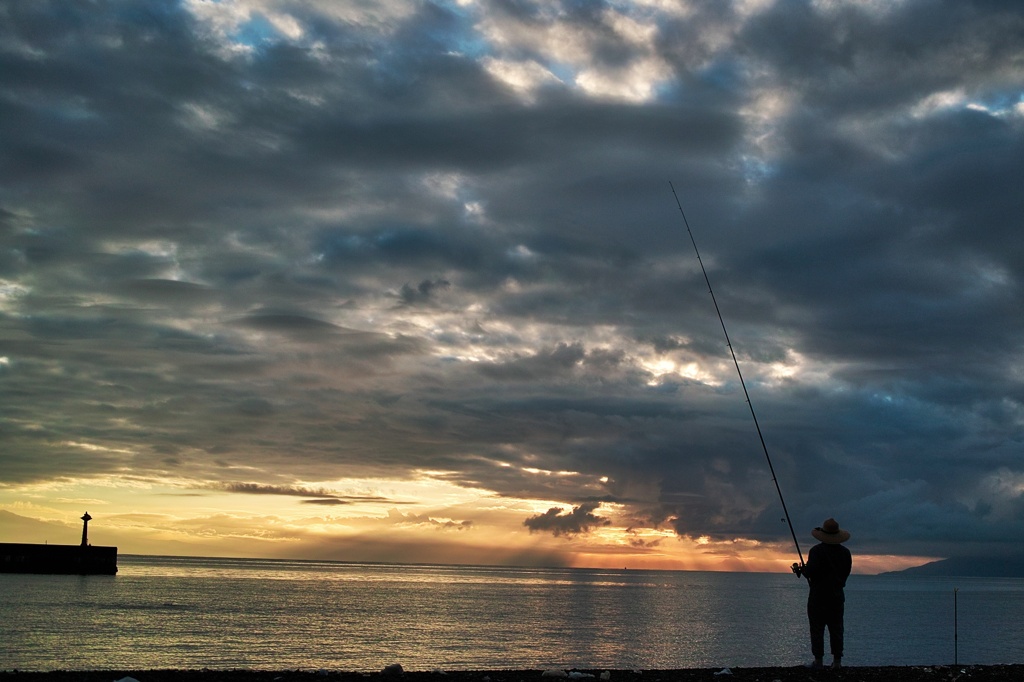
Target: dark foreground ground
<point>983,673</point>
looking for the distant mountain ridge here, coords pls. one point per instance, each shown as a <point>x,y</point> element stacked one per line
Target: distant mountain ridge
<point>17,528</point>
<point>969,567</point>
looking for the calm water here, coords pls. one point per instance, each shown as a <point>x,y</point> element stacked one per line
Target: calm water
<point>164,612</point>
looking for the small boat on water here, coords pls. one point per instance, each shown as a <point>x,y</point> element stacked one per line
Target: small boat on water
<point>83,559</point>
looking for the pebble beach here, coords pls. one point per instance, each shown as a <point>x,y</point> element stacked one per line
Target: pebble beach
<point>980,673</point>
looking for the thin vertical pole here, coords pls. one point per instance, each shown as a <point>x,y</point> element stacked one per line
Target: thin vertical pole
<point>955,628</point>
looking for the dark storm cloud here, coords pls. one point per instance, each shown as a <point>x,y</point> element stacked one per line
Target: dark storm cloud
<point>295,324</point>
<point>259,489</point>
<point>359,251</point>
<point>581,519</point>
<point>558,361</point>
<point>422,292</point>
<point>320,496</point>
<point>852,58</point>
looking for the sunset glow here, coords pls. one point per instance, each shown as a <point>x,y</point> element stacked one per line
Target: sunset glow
<point>407,281</point>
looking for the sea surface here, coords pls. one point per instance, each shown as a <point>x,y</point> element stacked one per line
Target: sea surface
<point>174,612</point>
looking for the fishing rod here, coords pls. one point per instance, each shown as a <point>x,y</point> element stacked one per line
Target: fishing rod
<point>736,362</point>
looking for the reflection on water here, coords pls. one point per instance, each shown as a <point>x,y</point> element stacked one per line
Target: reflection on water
<point>162,612</point>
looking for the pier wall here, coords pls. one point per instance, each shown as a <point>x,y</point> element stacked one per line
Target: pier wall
<point>57,559</point>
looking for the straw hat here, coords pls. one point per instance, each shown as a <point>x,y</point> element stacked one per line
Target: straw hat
<point>830,533</point>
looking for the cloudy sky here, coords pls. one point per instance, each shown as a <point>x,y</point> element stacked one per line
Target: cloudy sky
<point>401,280</point>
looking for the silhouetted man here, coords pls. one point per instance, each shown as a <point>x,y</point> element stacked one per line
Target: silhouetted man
<point>827,568</point>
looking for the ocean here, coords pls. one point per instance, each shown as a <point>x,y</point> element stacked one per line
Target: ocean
<point>175,612</point>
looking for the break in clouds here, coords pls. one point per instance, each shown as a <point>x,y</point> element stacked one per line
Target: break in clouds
<point>326,240</point>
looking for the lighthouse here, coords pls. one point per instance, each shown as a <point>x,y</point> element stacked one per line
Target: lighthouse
<point>85,529</point>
